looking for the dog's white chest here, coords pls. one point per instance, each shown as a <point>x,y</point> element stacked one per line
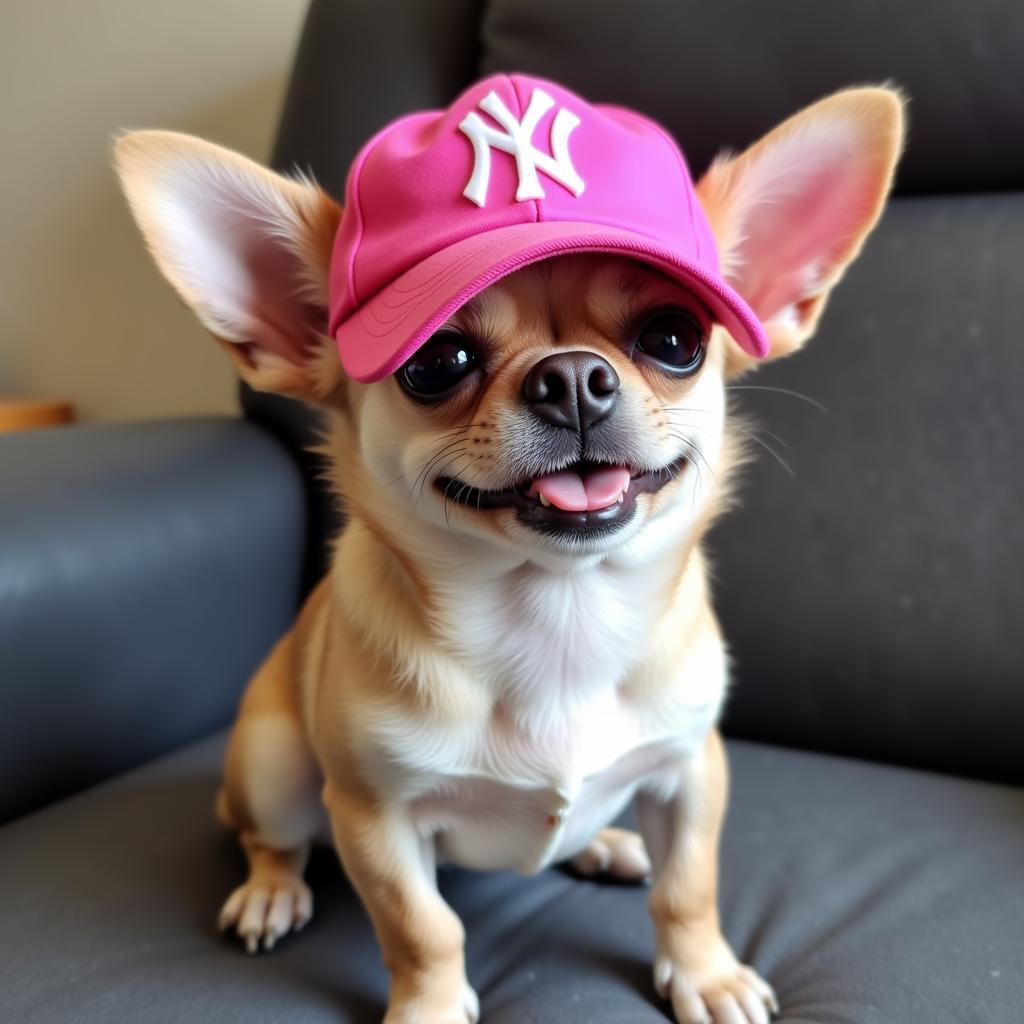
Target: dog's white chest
<point>524,802</point>
<point>563,749</point>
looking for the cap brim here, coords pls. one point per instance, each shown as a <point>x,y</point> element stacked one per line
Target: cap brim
<point>388,329</point>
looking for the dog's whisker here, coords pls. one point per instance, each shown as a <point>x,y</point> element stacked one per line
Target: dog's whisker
<point>685,408</point>
<point>431,462</point>
<point>775,437</point>
<point>694,456</point>
<point>768,448</point>
<point>464,426</point>
<point>434,455</point>
<point>691,446</point>
<point>422,490</point>
<point>473,479</point>
<point>416,490</point>
<point>467,484</point>
<point>444,494</point>
<point>446,490</point>
<point>779,391</point>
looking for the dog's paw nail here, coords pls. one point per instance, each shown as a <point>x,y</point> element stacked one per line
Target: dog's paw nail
<point>262,914</point>
<point>730,994</point>
<point>663,976</point>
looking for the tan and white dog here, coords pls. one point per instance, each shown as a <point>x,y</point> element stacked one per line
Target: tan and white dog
<point>485,676</point>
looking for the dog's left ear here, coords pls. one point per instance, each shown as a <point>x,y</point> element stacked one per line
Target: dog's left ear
<point>247,249</point>
<point>793,211</point>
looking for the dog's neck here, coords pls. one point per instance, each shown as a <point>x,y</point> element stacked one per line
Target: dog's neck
<point>540,640</point>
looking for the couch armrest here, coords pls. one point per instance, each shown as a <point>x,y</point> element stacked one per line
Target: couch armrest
<point>145,569</point>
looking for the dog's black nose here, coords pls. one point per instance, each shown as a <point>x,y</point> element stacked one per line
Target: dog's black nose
<point>572,389</point>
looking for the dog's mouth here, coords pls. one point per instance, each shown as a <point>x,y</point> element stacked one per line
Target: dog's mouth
<point>584,498</point>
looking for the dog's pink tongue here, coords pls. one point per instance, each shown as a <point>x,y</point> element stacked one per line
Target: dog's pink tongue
<point>573,493</point>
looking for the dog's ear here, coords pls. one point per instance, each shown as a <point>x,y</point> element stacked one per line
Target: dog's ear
<point>247,249</point>
<point>792,212</point>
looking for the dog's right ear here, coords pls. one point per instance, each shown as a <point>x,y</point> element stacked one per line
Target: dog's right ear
<point>247,249</point>
<point>793,211</point>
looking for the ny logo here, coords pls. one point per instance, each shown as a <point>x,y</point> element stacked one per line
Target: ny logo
<point>517,140</point>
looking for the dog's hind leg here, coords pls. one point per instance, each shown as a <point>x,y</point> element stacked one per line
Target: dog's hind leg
<point>271,796</point>
<point>616,853</point>
<point>694,966</point>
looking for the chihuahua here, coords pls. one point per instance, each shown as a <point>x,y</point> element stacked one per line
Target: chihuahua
<point>519,329</point>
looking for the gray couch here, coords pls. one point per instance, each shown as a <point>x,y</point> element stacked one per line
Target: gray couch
<point>873,860</point>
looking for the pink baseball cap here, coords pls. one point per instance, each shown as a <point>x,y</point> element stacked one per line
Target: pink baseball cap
<point>441,204</point>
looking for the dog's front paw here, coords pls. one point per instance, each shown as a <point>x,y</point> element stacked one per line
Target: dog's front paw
<point>262,911</point>
<point>727,993</point>
<point>428,1010</point>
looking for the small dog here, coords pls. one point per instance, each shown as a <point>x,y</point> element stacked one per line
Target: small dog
<point>519,327</point>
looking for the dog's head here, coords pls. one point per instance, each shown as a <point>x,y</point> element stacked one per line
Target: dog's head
<point>572,408</point>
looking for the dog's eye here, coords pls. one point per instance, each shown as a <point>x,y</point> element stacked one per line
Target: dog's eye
<point>674,339</point>
<point>437,368</point>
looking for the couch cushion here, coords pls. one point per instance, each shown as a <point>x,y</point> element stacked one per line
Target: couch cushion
<point>868,895</point>
<point>873,599</point>
<point>145,571</point>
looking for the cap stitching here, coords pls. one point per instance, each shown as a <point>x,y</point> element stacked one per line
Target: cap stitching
<point>744,319</point>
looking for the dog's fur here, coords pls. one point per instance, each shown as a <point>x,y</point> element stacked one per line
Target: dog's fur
<point>460,687</point>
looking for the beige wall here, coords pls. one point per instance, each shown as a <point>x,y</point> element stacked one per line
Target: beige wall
<point>83,313</point>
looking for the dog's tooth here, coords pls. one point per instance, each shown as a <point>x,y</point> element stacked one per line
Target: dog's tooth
<point>544,501</point>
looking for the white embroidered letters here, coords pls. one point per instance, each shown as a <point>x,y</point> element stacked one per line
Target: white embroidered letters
<point>517,140</point>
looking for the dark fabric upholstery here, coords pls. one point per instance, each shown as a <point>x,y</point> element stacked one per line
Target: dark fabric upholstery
<point>144,570</point>
<point>873,600</point>
<point>868,895</point>
<point>362,63</point>
<point>719,74</point>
